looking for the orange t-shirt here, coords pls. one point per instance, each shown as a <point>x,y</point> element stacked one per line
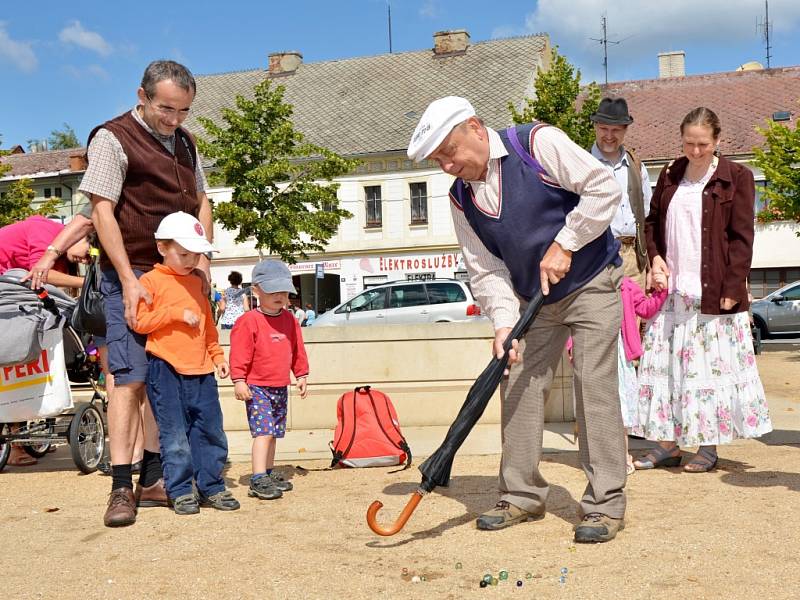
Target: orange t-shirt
<point>190,350</point>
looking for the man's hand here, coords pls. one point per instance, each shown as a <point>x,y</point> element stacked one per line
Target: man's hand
<point>132,291</point>
<point>223,370</point>
<point>554,266</point>
<point>190,318</point>
<point>302,387</point>
<point>660,273</point>
<point>727,303</point>
<point>242,391</point>
<point>500,336</point>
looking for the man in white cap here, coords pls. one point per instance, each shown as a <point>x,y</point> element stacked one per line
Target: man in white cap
<point>531,211</point>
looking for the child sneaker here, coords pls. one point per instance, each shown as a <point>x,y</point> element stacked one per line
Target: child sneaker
<point>280,482</point>
<point>223,500</point>
<point>264,488</point>
<point>185,505</point>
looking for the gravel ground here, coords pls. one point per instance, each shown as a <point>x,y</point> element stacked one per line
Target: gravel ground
<point>729,534</point>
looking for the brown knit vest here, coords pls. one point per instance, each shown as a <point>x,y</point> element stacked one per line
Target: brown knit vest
<point>156,184</point>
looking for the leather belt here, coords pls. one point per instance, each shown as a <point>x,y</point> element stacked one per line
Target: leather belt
<point>628,240</point>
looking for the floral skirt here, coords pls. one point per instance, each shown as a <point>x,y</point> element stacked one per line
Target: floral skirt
<point>628,387</point>
<point>698,380</point>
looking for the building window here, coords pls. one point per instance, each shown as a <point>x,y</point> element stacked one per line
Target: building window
<point>766,281</point>
<point>419,203</point>
<point>761,201</point>
<point>372,199</point>
<point>48,192</point>
<point>57,192</point>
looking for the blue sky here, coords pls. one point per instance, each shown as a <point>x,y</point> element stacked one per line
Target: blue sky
<point>80,62</point>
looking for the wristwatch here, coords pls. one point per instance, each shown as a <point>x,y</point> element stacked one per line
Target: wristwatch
<point>53,249</point>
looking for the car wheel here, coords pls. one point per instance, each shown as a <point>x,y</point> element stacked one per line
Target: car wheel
<point>762,327</point>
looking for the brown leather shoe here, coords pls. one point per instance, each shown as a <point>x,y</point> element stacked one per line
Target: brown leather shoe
<point>153,495</point>
<point>121,509</point>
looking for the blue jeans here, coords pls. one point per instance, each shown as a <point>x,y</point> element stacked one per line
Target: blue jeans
<point>189,417</point>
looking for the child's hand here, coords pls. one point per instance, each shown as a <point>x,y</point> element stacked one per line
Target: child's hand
<point>302,387</point>
<point>242,391</point>
<point>190,318</point>
<point>659,281</point>
<point>223,370</point>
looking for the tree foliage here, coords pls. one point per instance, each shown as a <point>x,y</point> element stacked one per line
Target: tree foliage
<point>15,204</point>
<point>63,140</point>
<point>557,91</point>
<point>283,195</point>
<point>779,158</point>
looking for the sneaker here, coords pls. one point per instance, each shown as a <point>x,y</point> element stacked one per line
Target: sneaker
<point>121,509</point>
<point>505,514</point>
<point>185,505</point>
<point>223,500</point>
<point>597,527</point>
<point>280,482</point>
<point>264,488</point>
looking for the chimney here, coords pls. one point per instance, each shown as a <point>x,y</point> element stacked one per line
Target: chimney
<point>449,43</point>
<point>284,63</point>
<point>78,162</point>
<point>671,64</point>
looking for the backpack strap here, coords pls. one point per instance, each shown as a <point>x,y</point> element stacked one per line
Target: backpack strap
<point>339,454</point>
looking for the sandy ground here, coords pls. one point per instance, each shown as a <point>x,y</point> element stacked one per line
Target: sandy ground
<point>729,534</point>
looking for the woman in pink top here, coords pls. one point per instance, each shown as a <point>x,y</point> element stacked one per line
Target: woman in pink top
<point>698,380</point>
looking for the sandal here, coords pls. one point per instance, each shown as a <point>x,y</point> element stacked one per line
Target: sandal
<point>658,457</point>
<point>704,461</point>
<point>21,459</point>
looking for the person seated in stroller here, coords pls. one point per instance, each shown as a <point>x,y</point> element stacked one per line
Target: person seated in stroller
<point>22,244</point>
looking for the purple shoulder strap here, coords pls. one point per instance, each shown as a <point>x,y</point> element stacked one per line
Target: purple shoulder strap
<point>511,132</point>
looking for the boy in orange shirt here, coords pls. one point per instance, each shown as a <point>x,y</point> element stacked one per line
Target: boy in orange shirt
<point>183,352</point>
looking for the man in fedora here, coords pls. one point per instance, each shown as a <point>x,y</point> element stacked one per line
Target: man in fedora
<point>610,126</point>
<point>531,211</point>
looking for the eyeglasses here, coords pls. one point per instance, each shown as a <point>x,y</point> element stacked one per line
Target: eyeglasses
<point>168,111</point>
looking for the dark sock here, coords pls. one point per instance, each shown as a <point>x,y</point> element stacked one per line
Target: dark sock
<point>257,476</point>
<point>121,477</point>
<point>269,471</point>
<point>151,470</point>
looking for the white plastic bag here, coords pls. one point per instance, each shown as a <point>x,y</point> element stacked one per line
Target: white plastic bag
<point>39,388</point>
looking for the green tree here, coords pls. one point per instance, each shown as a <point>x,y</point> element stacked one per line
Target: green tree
<point>779,158</point>
<point>557,90</point>
<point>63,140</point>
<point>283,195</point>
<point>15,202</point>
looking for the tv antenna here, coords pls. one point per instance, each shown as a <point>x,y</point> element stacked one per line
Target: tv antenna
<point>766,26</point>
<point>389,9</point>
<point>605,42</point>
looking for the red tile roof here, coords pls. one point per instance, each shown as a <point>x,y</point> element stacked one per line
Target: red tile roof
<point>33,163</point>
<point>741,99</point>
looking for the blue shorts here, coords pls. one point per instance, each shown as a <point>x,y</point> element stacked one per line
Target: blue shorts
<point>266,411</point>
<point>127,359</point>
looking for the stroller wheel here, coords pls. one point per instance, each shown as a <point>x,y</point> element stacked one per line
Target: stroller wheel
<point>39,450</point>
<point>5,447</point>
<point>87,438</point>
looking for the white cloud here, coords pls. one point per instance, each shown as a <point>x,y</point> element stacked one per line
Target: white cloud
<point>88,72</point>
<point>647,28</point>
<point>429,9</point>
<point>19,54</point>
<point>74,33</point>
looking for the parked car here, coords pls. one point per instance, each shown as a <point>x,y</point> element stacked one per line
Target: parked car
<point>406,302</point>
<point>778,312</point>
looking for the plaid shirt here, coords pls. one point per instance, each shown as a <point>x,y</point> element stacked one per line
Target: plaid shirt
<point>108,164</point>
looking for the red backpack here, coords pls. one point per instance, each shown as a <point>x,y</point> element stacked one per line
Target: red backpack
<point>367,431</point>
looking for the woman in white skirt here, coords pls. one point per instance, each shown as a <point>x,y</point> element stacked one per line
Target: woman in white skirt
<point>698,381</point>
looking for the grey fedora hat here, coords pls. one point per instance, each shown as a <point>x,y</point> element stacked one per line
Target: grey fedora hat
<point>612,111</point>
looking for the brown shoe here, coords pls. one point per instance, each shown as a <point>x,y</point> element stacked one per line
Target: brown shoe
<point>121,509</point>
<point>597,527</point>
<point>153,495</point>
<point>505,514</point>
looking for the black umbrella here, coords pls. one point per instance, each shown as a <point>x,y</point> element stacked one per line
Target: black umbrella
<point>436,469</point>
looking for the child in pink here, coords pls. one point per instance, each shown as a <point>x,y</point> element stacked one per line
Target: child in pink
<point>634,304</point>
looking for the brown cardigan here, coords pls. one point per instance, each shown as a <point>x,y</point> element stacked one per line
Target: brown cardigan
<point>727,230</point>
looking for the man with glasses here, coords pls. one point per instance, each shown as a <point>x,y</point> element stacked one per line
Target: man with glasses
<point>142,167</point>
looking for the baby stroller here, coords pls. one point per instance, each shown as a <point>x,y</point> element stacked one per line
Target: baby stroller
<point>32,323</point>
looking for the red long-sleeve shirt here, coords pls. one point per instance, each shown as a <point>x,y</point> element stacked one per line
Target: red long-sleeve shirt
<point>265,348</point>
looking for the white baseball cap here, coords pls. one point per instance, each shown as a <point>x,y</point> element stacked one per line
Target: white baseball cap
<point>187,231</point>
<point>436,123</point>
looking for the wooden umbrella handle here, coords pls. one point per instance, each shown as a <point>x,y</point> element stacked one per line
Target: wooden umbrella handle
<point>372,514</point>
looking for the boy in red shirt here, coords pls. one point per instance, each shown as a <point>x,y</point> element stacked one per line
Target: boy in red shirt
<point>183,353</point>
<point>266,345</point>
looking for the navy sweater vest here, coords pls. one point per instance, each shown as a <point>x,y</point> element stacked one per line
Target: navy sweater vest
<point>531,213</point>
